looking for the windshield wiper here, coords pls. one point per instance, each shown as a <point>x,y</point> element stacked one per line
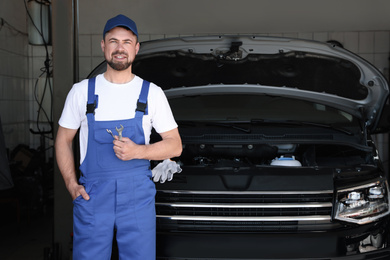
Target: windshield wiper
<point>301,123</point>
<point>211,123</point>
<point>229,125</point>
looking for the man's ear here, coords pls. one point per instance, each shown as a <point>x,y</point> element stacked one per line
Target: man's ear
<point>102,45</point>
<point>137,48</point>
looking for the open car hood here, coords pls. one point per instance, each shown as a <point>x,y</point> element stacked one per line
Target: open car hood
<point>314,71</point>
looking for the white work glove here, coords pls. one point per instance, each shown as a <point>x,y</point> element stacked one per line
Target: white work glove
<point>165,170</point>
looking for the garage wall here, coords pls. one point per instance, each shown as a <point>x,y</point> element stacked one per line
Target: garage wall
<point>20,67</point>
<point>244,16</point>
<point>14,91</point>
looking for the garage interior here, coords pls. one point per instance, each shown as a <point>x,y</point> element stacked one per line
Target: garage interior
<point>46,46</point>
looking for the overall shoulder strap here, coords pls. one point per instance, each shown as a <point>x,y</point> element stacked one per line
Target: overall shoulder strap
<point>142,106</point>
<point>92,102</point>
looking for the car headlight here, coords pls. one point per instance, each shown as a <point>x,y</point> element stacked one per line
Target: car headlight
<point>363,204</point>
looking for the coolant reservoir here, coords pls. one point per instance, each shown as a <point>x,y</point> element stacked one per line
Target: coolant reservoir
<point>285,161</point>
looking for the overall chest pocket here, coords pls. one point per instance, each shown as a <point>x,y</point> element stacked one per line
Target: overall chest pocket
<point>105,154</point>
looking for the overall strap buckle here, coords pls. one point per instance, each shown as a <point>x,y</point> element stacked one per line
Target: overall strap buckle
<point>142,104</point>
<point>92,102</point>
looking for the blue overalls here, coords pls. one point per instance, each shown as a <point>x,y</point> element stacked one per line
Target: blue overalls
<point>121,192</point>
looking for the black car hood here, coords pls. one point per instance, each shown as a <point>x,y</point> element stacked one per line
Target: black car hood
<point>309,70</point>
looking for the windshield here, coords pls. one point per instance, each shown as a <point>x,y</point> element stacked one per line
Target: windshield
<point>249,108</point>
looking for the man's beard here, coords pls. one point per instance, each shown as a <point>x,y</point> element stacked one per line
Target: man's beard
<point>119,66</point>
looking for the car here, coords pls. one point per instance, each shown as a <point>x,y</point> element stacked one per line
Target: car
<point>279,160</point>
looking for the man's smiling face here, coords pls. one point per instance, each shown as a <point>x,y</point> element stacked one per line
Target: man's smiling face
<point>120,46</point>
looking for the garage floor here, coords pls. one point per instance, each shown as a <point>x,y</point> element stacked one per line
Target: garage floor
<point>27,240</point>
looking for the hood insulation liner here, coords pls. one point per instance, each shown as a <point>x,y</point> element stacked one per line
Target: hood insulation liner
<point>301,70</point>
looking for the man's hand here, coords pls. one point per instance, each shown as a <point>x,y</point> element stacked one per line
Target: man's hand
<point>77,190</point>
<point>169,147</point>
<point>126,149</point>
<point>65,161</point>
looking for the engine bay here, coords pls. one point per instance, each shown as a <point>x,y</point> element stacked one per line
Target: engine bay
<point>305,155</point>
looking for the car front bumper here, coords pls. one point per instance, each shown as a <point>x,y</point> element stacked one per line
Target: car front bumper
<point>346,243</point>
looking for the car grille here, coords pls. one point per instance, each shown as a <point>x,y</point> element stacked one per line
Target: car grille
<point>242,211</point>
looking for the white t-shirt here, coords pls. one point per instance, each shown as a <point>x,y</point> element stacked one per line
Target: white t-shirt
<point>115,102</point>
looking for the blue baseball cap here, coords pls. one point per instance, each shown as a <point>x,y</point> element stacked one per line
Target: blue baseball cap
<point>120,20</point>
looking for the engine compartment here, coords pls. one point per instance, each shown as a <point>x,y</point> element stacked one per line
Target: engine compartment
<point>308,155</point>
